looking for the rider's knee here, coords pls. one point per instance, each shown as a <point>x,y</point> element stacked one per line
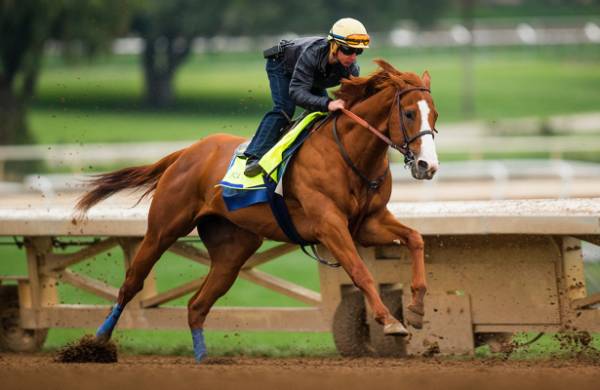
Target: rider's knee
<point>289,110</point>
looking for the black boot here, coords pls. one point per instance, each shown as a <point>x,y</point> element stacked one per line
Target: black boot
<point>252,167</point>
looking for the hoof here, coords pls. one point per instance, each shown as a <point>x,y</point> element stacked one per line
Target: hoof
<point>395,329</point>
<point>199,357</point>
<point>414,316</point>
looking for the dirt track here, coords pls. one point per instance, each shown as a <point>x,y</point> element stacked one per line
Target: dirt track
<point>160,372</point>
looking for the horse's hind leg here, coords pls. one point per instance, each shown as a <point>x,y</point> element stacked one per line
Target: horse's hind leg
<point>168,220</point>
<point>229,247</point>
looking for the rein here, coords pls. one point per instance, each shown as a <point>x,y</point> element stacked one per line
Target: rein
<point>372,184</point>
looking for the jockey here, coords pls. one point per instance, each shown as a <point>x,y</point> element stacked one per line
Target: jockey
<point>299,72</point>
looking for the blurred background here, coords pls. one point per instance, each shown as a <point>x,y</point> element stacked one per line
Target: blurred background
<point>515,83</point>
<point>93,85</point>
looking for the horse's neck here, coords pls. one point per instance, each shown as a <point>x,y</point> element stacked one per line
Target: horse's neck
<point>365,149</point>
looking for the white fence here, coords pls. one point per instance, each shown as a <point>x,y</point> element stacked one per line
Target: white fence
<point>497,34</point>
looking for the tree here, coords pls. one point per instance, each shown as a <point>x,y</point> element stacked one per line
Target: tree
<point>425,12</point>
<point>168,29</point>
<point>25,28</point>
<point>316,17</point>
<point>275,17</point>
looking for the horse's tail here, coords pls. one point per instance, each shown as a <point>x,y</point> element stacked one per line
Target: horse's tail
<point>106,184</point>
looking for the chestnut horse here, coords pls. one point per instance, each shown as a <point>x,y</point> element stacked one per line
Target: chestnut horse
<point>329,200</point>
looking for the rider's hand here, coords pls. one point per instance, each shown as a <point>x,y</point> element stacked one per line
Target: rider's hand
<point>335,105</point>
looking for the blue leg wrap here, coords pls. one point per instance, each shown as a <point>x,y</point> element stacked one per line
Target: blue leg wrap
<point>110,322</point>
<point>199,344</point>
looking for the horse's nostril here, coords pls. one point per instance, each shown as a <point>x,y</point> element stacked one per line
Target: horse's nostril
<point>423,165</point>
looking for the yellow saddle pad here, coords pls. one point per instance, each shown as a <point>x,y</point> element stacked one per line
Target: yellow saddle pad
<point>270,162</point>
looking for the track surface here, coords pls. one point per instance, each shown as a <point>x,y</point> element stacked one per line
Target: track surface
<point>161,372</point>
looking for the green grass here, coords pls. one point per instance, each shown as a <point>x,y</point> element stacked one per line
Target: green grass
<point>547,347</point>
<point>101,101</point>
<point>163,342</point>
<point>82,126</point>
<point>172,270</point>
<point>462,156</point>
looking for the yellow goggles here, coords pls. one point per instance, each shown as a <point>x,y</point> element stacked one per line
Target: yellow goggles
<point>358,39</point>
<point>353,39</point>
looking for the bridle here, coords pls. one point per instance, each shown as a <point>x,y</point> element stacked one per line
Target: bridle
<point>409,157</point>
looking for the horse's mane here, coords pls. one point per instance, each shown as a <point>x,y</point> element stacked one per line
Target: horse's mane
<point>356,89</point>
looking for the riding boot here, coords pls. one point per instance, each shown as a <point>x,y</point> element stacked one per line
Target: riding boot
<point>252,167</point>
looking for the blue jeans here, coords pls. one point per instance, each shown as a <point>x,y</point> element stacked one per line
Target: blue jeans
<point>269,130</point>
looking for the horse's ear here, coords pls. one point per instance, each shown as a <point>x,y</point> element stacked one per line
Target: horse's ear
<point>426,79</point>
<point>386,66</point>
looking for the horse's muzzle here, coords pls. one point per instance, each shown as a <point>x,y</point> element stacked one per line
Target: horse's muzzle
<point>421,170</point>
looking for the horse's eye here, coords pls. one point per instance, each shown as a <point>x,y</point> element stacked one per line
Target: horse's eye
<point>410,115</point>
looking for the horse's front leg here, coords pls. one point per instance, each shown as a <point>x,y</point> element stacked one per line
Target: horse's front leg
<point>332,231</point>
<point>384,229</point>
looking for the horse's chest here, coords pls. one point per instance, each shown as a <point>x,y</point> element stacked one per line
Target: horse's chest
<point>358,202</point>
<point>365,201</point>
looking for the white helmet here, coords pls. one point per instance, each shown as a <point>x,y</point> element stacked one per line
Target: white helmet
<point>349,32</point>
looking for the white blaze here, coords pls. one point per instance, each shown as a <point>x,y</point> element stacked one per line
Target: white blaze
<point>428,152</point>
